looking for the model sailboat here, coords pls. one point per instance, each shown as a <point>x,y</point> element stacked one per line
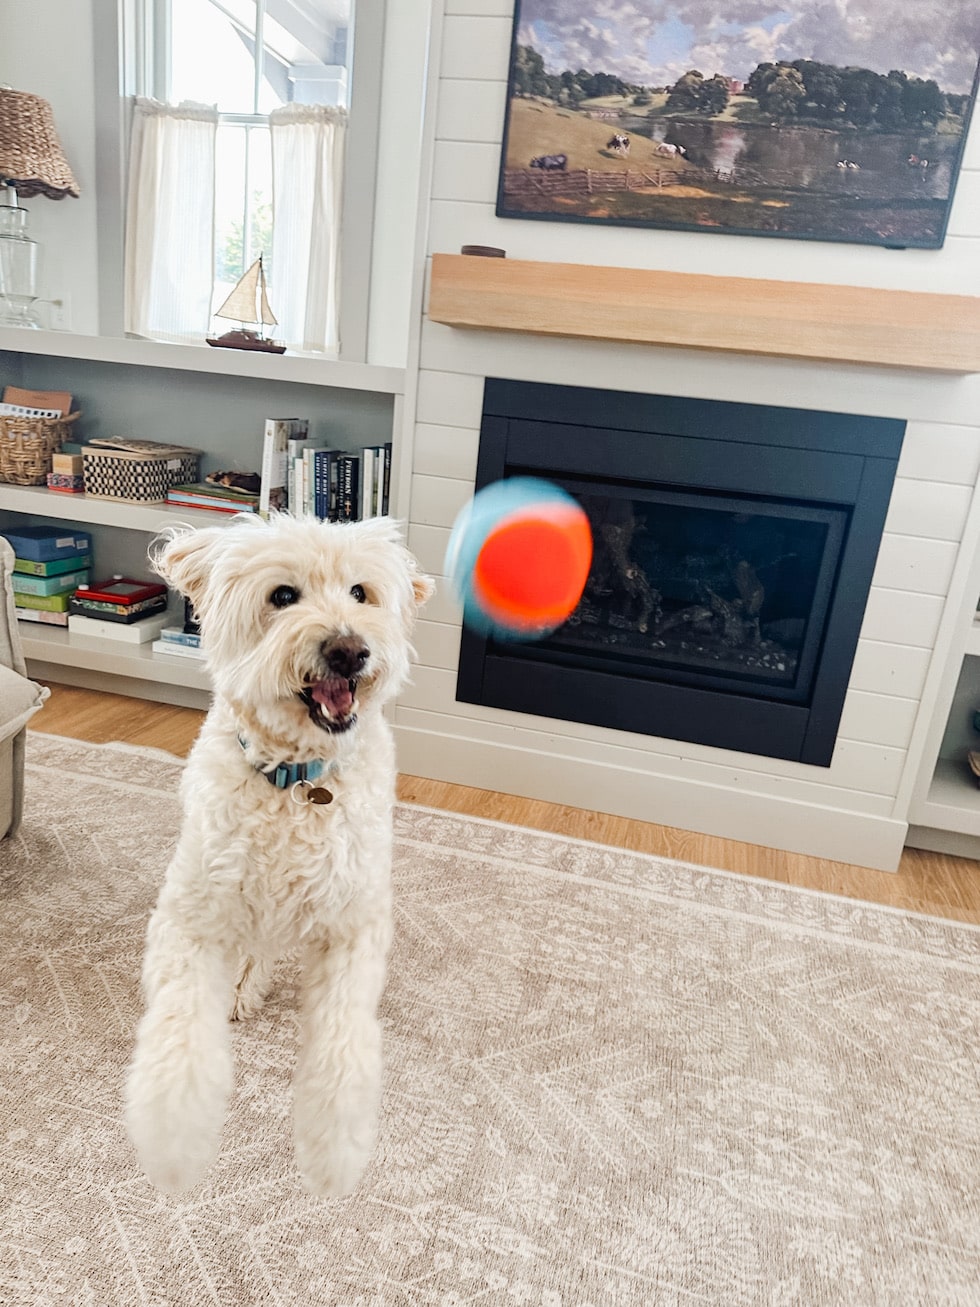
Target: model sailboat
<point>248,303</point>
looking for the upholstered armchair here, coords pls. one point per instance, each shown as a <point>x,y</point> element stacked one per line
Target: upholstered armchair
<point>20,699</point>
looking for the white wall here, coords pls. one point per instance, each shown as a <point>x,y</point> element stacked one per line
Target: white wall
<point>857,809</point>
<point>46,48</point>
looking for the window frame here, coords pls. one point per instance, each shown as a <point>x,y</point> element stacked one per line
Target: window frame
<point>131,54</point>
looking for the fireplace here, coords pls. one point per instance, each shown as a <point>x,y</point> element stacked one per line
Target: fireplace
<point>734,549</point>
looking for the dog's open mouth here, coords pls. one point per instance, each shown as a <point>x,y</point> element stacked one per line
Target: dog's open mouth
<point>331,703</point>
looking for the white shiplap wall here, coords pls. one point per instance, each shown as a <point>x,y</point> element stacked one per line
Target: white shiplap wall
<point>857,809</point>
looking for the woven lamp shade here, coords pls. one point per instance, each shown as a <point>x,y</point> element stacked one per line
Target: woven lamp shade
<point>31,157</point>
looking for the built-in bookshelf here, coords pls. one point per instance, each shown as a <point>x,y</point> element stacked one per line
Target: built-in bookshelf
<point>213,400</point>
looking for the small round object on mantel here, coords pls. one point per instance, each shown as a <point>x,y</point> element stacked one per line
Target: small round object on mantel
<point>484,251</point>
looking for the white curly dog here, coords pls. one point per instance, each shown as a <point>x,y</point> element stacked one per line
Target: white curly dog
<point>286,837</point>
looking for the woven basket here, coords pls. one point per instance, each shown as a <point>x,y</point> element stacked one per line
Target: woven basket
<point>26,446</point>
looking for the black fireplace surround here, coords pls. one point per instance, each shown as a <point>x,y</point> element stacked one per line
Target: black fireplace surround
<point>734,549</point>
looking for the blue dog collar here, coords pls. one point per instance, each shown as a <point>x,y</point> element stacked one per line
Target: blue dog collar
<point>286,774</point>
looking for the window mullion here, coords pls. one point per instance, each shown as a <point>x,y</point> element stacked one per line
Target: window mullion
<point>259,53</point>
<point>247,211</point>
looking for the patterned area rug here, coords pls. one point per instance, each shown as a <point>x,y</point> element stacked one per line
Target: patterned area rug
<point>612,1081</point>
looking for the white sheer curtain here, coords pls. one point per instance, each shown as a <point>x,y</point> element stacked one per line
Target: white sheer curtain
<point>308,143</point>
<point>170,220</point>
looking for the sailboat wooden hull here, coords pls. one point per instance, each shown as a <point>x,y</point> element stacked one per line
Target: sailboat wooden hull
<point>240,339</point>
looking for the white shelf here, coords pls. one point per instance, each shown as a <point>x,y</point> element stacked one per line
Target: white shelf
<point>305,369</point>
<point>53,644</point>
<point>953,801</point>
<point>973,640</point>
<point>102,512</point>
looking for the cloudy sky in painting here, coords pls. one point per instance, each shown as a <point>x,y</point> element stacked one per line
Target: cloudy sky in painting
<point>654,41</point>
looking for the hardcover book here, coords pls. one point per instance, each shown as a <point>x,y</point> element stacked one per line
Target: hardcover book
<point>348,487</point>
<point>171,648</point>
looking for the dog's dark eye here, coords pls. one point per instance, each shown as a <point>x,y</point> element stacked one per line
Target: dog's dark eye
<point>358,592</point>
<point>283,596</point>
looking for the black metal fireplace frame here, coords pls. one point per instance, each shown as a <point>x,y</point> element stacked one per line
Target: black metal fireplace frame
<point>846,461</point>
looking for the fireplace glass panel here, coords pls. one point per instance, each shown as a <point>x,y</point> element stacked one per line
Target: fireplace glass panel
<point>735,548</point>
<point>701,589</point>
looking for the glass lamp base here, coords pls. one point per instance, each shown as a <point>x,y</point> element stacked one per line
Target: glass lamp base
<point>18,312</point>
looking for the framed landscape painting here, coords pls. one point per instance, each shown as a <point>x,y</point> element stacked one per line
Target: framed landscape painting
<point>807,119</point>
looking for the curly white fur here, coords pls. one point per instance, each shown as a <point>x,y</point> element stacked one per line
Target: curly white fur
<point>256,873</point>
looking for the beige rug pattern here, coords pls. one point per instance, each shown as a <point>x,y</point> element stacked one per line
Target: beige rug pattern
<point>612,1081</point>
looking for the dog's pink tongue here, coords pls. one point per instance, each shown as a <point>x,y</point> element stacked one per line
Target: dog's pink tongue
<point>334,694</point>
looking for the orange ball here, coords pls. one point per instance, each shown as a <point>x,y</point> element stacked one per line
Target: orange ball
<point>519,556</point>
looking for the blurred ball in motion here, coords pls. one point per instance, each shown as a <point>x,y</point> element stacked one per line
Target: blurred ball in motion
<point>519,555</point>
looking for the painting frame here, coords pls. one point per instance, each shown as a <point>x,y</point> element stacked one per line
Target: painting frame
<point>888,182</point>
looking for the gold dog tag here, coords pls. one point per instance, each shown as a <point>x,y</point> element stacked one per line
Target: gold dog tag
<point>319,795</point>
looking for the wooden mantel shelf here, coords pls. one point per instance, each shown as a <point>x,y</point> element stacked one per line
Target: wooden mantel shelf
<point>849,324</point>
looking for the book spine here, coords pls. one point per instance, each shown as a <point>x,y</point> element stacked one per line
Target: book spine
<point>212,507</point>
<point>348,488</point>
<point>295,449</point>
<point>367,483</point>
<point>333,511</point>
<point>174,635</point>
<point>275,446</point>
<point>219,501</point>
<point>321,483</point>
<point>177,650</point>
<point>386,483</point>
<point>379,472</point>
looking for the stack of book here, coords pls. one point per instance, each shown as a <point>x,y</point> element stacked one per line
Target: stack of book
<point>308,479</point>
<point>175,640</point>
<point>337,485</point>
<point>122,608</point>
<point>50,564</point>
<point>216,499</point>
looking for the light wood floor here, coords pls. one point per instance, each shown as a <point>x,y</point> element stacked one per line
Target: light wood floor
<point>926,882</point>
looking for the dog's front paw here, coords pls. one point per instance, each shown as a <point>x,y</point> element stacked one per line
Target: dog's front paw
<point>334,1142</point>
<point>174,1153</point>
<point>175,1108</point>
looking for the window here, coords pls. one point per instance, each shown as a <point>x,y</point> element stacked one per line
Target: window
<point>239,141</point>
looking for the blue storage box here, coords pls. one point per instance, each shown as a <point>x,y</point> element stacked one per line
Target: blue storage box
<point>43,543</point>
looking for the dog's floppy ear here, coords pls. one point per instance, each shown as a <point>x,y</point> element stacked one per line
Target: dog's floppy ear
<point>183,556</point>
<point>423,587</point>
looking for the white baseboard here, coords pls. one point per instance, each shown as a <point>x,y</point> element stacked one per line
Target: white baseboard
<point>862,839</point>
<point>944,841</point>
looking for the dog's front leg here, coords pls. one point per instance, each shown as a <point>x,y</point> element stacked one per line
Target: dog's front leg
<point>337,1086</point>
<point>180,1078</point>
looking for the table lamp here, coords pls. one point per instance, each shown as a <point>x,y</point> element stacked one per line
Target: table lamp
<point>32,162</point>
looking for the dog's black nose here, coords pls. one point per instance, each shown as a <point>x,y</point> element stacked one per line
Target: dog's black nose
<point>346,656</point>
